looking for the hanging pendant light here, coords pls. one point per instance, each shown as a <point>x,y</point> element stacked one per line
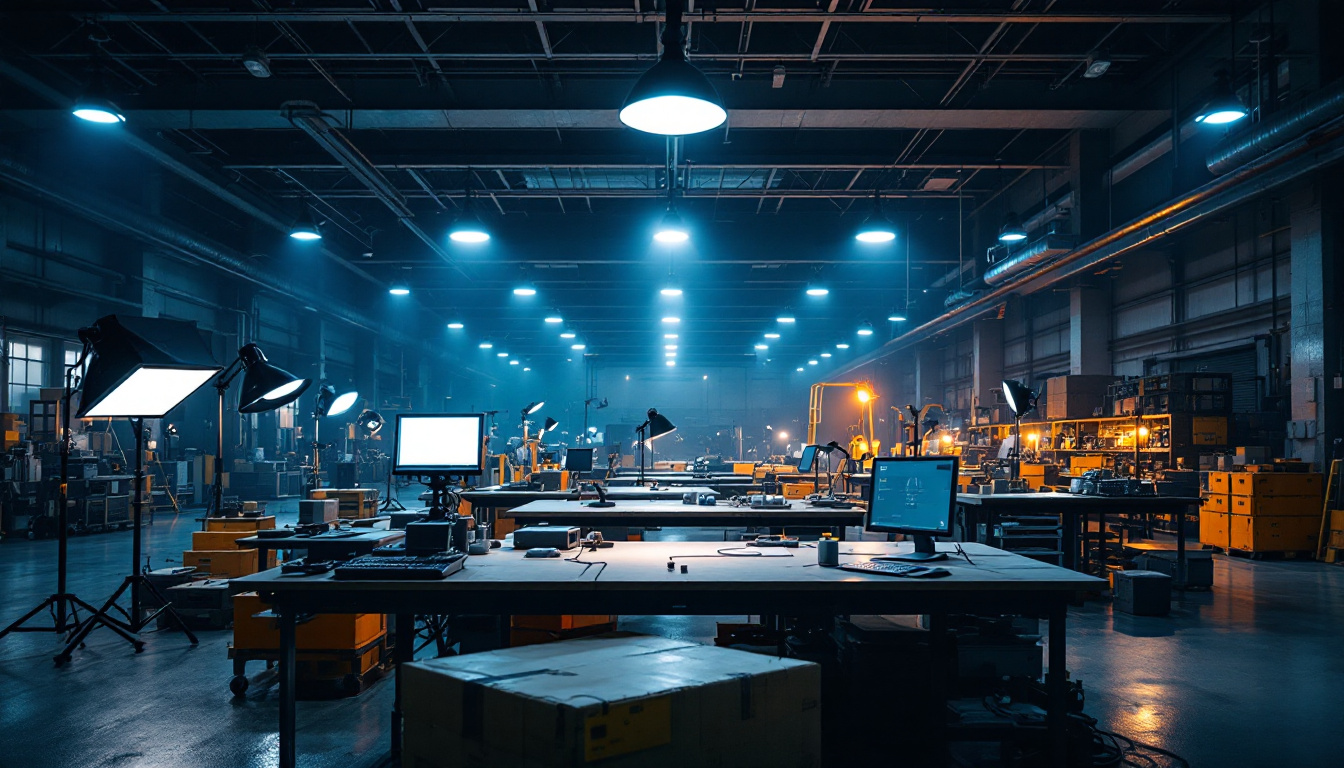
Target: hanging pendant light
<point>671,229</point>
<point>1012,230</point>
<point>673,98</point>
<point>877,228</point>
<point>1224,106</point>
<point>468,227</point>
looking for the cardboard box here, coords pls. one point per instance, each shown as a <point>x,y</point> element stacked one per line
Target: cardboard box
<point>743,468</point>
<point>1220,482</point>
<point>1281,506</point>
<point>256,628</point>
<point>1220,503</point>
<point>1071,406</point>
<point>1080,464</point>
<point>1277,484</point>
<point>626,701</point>
<point>250,524</point>
<point>1215,529</point>
<point>222,564</point>
<point>1078,385</point>
<point>1337,519</point>
<point>318,511</point>
<point>1336,540</point>
<point>217,540</point>
<point>1274,533</point>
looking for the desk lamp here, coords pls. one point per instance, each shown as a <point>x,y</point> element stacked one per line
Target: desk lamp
<point>265,388</point>
<point>328,404</point>
<point>138,368</point>
<point>654,427</point>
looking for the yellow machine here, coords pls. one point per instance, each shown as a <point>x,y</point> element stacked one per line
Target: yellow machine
<point>862,439</point>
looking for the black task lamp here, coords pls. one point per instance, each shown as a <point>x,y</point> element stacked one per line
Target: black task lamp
<point>654,427</point>
<point>328,404</point>
<point>370,421</point>
<point>137,368</point>
<point>265,388</point>
<point>1022,401</point>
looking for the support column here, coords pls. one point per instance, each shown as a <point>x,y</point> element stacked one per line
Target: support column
<point>928,377</point>
<point>986,365</point>
<point>1089,331</point>
<point>1317,377</point>
<point>1089,162</point>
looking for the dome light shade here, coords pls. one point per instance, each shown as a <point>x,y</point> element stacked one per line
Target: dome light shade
<point>370,421</point>
<point>306,227</point>
<point>817,290</point>
<point>876,228</point>
<point>97,109</point>
<point>1019,396</point>
<point>786,319</point>
<point>1224,106</point>
<point>671,229</point>
<point>331,404</point>
<point>400,288</point>
<point>266,387</point>
<point>467,227</point>
<point>866,329</point>
<point>1012,230</point>
<point>673,98</point>
<point>671,291</point>
<point>526,290</point>
<point>896,317</point>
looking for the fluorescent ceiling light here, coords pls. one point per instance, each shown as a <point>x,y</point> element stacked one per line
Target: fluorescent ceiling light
<point>456,326</point>
<point>817,290</point>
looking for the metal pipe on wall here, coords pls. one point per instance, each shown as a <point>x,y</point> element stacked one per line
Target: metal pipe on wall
<point>1283,127</point>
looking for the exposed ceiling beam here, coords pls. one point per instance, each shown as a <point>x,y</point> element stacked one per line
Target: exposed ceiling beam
<point>477,56</point>
<point>760,16</point>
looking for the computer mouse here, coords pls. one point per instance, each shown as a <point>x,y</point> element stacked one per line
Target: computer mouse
<point>542,552</point>
<point>932,573</point>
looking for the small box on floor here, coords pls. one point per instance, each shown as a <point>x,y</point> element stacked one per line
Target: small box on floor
<point>626,700</point>
<point>1198,564</point>
<point>1142,593</point>
<point>313,511</point>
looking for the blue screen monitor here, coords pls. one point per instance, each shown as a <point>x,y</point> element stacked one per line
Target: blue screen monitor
<point>915,496</point>
<point>808,460</point>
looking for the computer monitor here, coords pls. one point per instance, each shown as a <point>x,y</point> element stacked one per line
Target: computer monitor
<point>439,444</point>
<point>808,459</point>
<point>915,496</point>
<point>579,460</point>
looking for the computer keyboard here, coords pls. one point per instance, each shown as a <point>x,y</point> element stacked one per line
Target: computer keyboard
<point>893,569</point>
<point>399,567</point>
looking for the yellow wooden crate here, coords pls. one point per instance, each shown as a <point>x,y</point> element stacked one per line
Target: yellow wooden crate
<point>1214,529</point>
<point>1220,482</point>
<point>1218,503</point>
<point>1274,533</point>
<point>1277,484</point>
<point>265,522</point>
<point>1080,464</point>
<point>1276,506</point>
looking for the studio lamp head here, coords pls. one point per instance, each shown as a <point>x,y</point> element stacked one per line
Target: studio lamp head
<point>1021,399</point>
<point>331,404</point>
<point>266,387</point>
<point>142,367</point>
<point>659,425</point>
<point>370,422</point>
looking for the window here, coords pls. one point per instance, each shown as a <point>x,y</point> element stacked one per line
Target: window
<point>27,373</point>
<point>72,353</point>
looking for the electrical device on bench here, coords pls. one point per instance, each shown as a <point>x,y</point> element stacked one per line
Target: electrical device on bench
<point>579,460</point>
<point>439,447</point>
<point>915,496</point>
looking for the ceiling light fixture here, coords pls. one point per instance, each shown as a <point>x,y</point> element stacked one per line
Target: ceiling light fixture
<point>525,290</point>
<point>669,335</point>
<point>94,108</point>
<point>842,346</point>
<point>786,319</point>
<point>825,354</point>
<point>501,354</point>
<point>305,227</point>
<point>811,362</point>
<point>671,319</point>
<point>772,335</point>
<point>896,317</point>
<point>555,318</point>
<point>399,288</point>
<point>1224,106</point>
<point>817,290</point>
<point>762,346</point>
<point>577,346</point>
<point>486,345</point>
<point>1098,63</point>
<point>256,63</point>
<point>671,229</point>
<point>669,346</point>
<point>513,362</point>
<point>1012,230</point>
<point>877,228</point>
<point>866,329</point>
<point>670,291</point>
<point>673,98</point>
<point>568,335</point>
<point>468,227</point>
<point>671,363</point>
<point>456,326</point>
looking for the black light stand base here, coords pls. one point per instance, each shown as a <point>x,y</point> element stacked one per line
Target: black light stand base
<point>391,503</point>
<point>130,628</point>
<point>72,603</point>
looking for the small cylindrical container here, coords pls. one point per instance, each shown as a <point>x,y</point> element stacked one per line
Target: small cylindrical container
<point>828,552</point>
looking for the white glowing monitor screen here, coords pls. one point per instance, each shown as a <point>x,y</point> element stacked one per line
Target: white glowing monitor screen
<point>151,392</point>
<point>447,443</point>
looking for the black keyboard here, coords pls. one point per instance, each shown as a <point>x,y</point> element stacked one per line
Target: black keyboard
<point>400,568</point>
<point>885,568</point>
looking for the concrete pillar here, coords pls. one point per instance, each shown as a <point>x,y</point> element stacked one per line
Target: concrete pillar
<point>928,377</point>
<point>1089,331</point>
<point>986,365</point>
<point>1316,389</point>
<point>1089,160</point>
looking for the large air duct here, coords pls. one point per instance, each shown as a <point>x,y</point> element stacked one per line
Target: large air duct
<point>1284,126</point>
<point>1035,253</point>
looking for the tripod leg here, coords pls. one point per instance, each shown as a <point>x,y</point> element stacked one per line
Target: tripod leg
<point>101,617</point>
<point>166,607</point>
<point>16,626</point>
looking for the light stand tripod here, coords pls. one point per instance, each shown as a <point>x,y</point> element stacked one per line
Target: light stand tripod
<point>641,431</point>
<point>61,600</point>
<point>134,621</point>
<point>391,503</point>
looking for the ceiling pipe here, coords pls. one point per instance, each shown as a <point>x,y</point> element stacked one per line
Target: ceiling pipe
<point>177,166</point>
<point>306,116</point>
<point>156,231</point>
<point>1032,255</point>
<point>1281,166</point>
<point>1278,130</point>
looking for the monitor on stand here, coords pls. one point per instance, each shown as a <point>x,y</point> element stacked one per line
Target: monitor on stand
<point>579,460</point>
<point>914,496</point>
<point>439,447</point>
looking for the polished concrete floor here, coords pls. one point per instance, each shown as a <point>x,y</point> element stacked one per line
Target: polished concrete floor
<point>1248,674</point>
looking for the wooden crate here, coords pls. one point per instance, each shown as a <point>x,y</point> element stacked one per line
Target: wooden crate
<point>1277,484</point>
<point>356,503</point>
<point>1274,533</point>
<point>1275,506</point>
<point>1214,529</point>
<point>1219,503</point>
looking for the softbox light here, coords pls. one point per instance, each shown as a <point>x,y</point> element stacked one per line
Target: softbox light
<point>142,367</point>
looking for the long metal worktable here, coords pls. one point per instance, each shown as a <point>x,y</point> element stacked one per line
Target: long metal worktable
<point>636,581</point>
<point>652,514</point>
<point>981,512</point>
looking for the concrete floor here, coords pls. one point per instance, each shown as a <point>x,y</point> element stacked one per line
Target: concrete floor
<point>1246,675</point>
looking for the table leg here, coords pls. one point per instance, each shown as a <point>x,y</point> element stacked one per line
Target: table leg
<point>1056,686</point>
<point>286,675</point>
<point>404,652</point>
<point>1179,581</point>
<point>940,658</point>
<point>1069,524</point>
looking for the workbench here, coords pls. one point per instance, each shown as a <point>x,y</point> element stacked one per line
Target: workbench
<point>496,497</point>
<point>981,512</point>
<point>723,484</point>
<point>327,546</point>
<point>635,580</point>
<point>654,514</point>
